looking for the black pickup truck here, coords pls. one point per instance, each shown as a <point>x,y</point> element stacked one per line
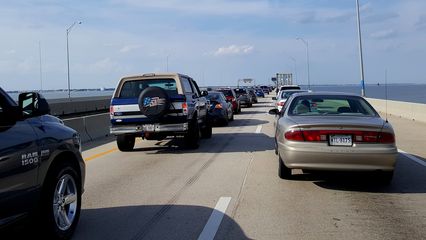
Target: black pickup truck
<point>41,169</point>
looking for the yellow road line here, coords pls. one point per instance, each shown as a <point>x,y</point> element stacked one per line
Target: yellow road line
<point>100,154</point>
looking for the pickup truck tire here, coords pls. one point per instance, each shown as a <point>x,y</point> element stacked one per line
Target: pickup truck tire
<point>125,143</point>
<point>192,137</point>
<point>154,102</point>
<point>63,193</point>
<point>206,132</point>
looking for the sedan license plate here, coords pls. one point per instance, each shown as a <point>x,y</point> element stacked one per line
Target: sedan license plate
<point>340,140</point>
<point>149,127</point>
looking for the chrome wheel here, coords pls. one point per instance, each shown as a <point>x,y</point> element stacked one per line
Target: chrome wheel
<point>65,202</point>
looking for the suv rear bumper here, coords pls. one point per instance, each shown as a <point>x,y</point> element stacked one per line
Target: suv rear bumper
<point>141,128</point>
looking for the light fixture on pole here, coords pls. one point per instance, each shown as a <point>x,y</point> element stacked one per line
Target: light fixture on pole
<point>68,57</point>
<point>361,60</point>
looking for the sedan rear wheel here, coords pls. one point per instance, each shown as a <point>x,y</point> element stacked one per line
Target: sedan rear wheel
<point>386,177</point>
<point>283,171</point>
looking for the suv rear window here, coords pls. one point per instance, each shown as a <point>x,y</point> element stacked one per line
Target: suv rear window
<point>240,91</point>
<point>226,92</point>
<point>132,89</point>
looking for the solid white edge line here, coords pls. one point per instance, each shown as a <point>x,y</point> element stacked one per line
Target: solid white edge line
<point>215,219</point>
<point>411,157</point>
<point>259,128</point>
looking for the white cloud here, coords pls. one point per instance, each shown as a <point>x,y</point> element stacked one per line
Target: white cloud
<point>129,48</point>
<point>384,34</point>
<point>234,50</point>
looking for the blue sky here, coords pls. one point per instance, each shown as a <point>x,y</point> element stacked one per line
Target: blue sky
<point>214,41</point>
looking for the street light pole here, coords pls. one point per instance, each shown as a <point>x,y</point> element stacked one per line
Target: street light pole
<point>361,60</point>
<point>41,72</point>
<point>167,63</point>
<point>307,59</point>
<point>68,58</point>
<point>295,68</point>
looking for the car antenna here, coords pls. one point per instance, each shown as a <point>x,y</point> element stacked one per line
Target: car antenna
<point>386,93</point>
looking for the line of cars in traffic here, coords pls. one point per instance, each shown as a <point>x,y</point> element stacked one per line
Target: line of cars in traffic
<point>333,132</point>
<point>154,106</point>
<point>42,170</point>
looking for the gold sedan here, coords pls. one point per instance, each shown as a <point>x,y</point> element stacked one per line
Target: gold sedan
<point>333,132</point>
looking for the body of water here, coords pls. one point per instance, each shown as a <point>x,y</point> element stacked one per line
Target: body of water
<point>64,94</point>
<point>399,92</point>
<point>406,93</point>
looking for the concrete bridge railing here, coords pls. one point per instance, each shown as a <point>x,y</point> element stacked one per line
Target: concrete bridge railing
<point>408,110</point>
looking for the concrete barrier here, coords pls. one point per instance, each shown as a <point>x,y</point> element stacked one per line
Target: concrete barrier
<point>59,107</point>
<point>408,110</point>
<point>97,126</point>
<point>90,127</point>
<point>79,125</point>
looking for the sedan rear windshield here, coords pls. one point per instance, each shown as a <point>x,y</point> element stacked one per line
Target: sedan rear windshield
<point>132,89</point>
<point>330,105</point>
<point>287,94</point>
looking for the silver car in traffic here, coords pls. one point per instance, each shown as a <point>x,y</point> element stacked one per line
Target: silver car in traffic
<point>333,131</point>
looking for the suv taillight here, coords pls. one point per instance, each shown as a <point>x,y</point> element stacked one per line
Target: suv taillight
<point>111,110</point>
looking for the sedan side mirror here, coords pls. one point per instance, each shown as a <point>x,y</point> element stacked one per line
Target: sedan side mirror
<point>33,104</point>
<point>274,98</point>
<point>274,111</point>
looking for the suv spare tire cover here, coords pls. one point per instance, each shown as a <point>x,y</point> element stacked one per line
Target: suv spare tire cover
<point>153,102</point>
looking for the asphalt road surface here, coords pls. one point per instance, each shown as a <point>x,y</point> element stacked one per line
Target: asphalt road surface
<point>229,189</point>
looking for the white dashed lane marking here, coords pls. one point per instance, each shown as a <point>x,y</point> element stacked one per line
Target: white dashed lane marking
<point>258,129</point>
<point>215,219</point>
<point>413,158</point>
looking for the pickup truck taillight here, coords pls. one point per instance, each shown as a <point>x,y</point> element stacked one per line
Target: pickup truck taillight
<point>185,108</point>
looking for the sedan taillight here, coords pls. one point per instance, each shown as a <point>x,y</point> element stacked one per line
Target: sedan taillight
<point>385,137</point>
<point>357,136</point>
<point>294,135</point>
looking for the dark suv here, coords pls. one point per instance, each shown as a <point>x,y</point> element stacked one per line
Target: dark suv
<point>244,97</point>
<point>41,168</point>
<point>154,106</point>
